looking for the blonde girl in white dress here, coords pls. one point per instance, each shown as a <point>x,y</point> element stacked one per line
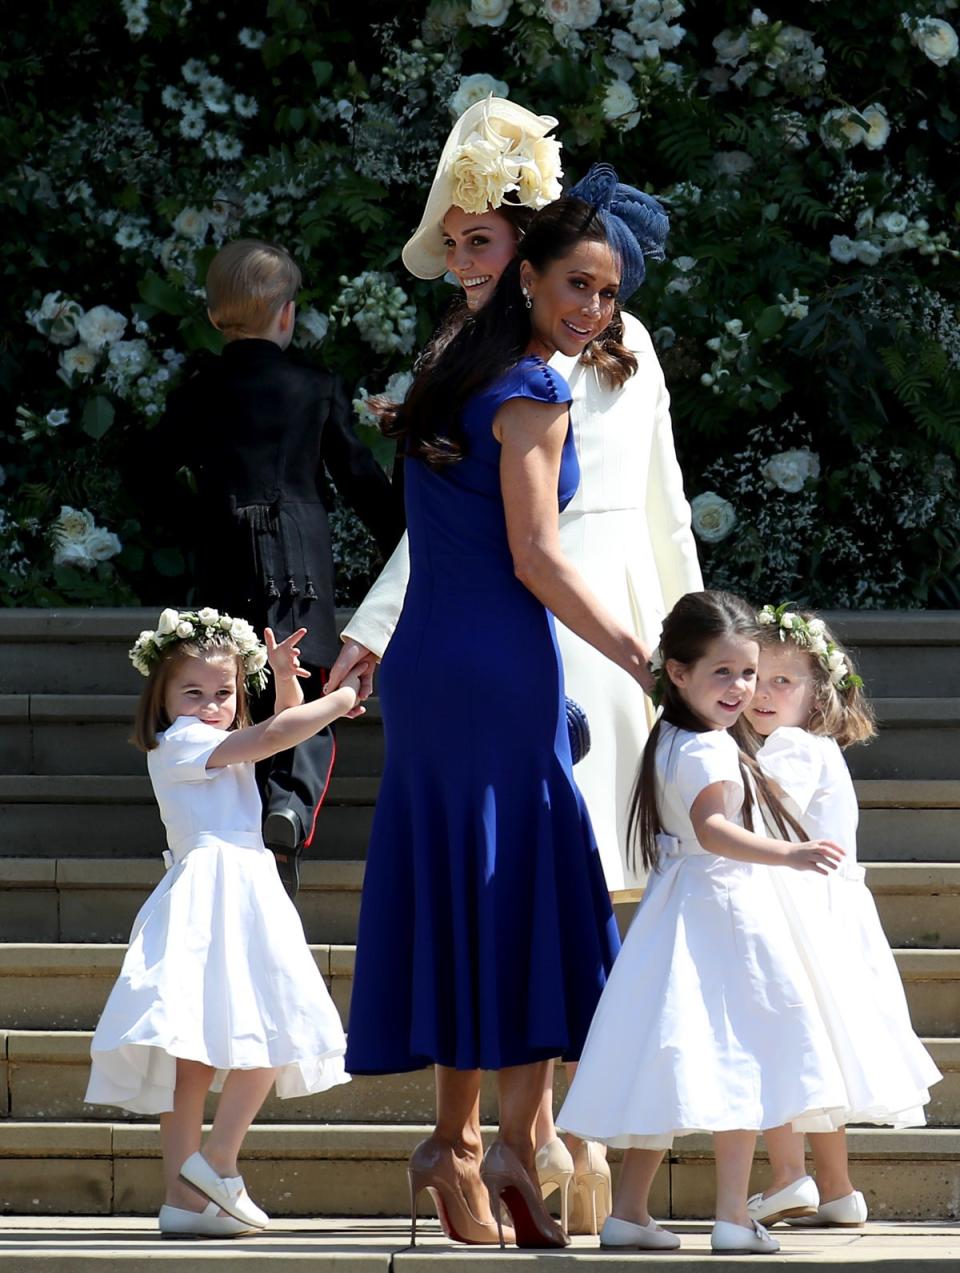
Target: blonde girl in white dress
<point>710,992</point>
<point>809,705</point>
<point>218,986</point>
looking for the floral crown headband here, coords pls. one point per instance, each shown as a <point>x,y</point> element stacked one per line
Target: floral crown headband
<point>810,634</point>
<point>204,627</point>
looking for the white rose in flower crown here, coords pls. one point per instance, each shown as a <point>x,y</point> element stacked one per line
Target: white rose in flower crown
<point>766,616</point>
<point>101,326</point>
<point>168,621</point>
<point>835,659</point>
<point>790,469</point>
<point>474,88</point>
<point>208,616</point>
<point>936,38</point>
<point>226,623</point>
<point>481,175</point>
<point>816,627</point>
<point>713,517</point>
<point>818,646</point>
<point>788,619</point>
<point>184,629</point>
<point>255,660</point>
<point>488,13</point>
<point>241,631</point>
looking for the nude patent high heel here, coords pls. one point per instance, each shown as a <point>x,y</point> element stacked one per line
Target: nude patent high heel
<point>508,1182</point>
<point>555,1171</point>
<point>432,1166</point>
<point>592,1199</point>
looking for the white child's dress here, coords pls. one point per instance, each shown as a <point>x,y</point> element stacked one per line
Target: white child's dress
<point>218,969</point>
<point>888,1070</point>
<point>709,1020</point>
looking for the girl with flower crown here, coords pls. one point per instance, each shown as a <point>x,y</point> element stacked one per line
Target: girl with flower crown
<point>627,528</point>
<point>808,705</point>
<point>218,986</point>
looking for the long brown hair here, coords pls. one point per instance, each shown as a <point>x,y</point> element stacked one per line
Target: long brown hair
<point>492,339</point>
<point>152,718</point>
<point>695,622</point>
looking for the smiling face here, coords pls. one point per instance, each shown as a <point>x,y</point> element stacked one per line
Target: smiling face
<point>573,299</point>
<point>720,684</point>
<point>786,689</point>
<point>480,246</point>
<point>205,687</point>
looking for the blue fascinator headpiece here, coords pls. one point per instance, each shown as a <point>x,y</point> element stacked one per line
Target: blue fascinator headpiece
<point>636,223</point>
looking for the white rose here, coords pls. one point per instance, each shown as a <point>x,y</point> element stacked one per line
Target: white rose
<point>488,13</point>
<point>168,621</point>
<point>731,48</point>
<point>867,252</point>
<point>192,224</point>
<point>241,630</point>
<point>74,523</point>
<point>790,469</point>
<point>255,660</point>
<point>208,616</point>
<point>788,619</point>
<point>766,616</point>
<point>731,163</point>
<point>575,14</point>
<point>78,361</point>
<point>480,175</point>
<point>226,623</point>
<point>73,552</point>
<point>184,629</point>
<point>816,627</point>
<point>842,249</point>
<point>101,326</point>
<point>713,517</point>
<point>837,658</point>
<point>893,222</point>
<point>312,327</point>
<point>839,130</point>
<point>102,544</point>
<point>937,39</point>
<point>474,88</point>
<point>618,100</point>
<point>818,646</point>
<point>878,127</point>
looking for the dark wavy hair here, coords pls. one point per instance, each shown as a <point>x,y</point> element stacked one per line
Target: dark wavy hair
<point>459,363</point>
<point>694,622</point>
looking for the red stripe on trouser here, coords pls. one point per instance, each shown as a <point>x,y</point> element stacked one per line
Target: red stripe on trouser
<point>323,673</point>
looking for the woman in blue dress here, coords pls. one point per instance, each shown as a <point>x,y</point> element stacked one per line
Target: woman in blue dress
<point>486,932</point>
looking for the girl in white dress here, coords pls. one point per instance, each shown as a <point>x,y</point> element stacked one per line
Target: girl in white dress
<point>218,986</point>
<point>808,705</point>
<point>710,992</point>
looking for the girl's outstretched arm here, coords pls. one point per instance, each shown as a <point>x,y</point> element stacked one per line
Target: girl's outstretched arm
<point>717,834</point>
<point>284,659</point>
<point>287,728</point>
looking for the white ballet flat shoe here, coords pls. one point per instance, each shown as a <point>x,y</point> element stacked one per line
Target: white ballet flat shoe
<point>735,1239</point>
<point>227,1192</point>
<point>174,1222</point>
<point>798,1199</point>
<point>624,1235</point>
<point>847,1213</point>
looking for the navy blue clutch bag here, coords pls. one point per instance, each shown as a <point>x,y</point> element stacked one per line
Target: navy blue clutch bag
<point>578,728</point>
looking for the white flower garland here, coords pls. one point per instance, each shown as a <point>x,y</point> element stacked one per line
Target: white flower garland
<point>810,635</point>
<point>205,627</point>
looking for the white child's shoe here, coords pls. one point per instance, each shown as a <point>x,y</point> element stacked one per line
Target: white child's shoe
<point>801,1198</point>
<point>735,1239</point>
<point>624,1235</point>
<point>174,1222</point>
<point>227,1192</point>
<point>847,1213</point>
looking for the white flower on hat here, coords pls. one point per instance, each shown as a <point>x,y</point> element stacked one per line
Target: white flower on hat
<point>481,175</point>
<point>488,13</point>
<point>713,517</point>
<point>540,173</point>
<point>168,621</point>
<point>473,89</point>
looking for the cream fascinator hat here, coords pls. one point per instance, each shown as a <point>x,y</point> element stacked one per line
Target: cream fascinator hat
<point>497,152</point>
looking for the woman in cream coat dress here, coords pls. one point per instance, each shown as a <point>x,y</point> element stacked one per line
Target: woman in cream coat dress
<point>627,530</point>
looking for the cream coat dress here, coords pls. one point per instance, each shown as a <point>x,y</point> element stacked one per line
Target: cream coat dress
<point>627,530</point>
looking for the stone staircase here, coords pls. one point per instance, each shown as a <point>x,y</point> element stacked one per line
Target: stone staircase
<point>79,851</point>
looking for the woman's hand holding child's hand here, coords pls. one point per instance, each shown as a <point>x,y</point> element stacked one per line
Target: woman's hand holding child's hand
<point>284,658</point>
<point>357,679</point>
<point>822,856</point>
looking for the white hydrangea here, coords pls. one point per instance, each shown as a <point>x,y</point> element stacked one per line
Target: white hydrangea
<point>129,357</point>
<point>489,13</point>
<point>474,88</point>
<point>100,327</point>
<point>934,37</point>
<point>790,470</point>
<point>379,309</point>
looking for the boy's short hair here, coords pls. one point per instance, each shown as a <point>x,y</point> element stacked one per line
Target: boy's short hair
<point>247,283</point>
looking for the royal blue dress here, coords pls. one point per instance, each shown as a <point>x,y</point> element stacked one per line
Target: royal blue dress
<point>486,932</point>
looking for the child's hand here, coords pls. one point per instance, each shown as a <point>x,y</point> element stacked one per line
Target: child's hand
<point>355,680</point>
<point>822,856</point>
<point>284,658</point>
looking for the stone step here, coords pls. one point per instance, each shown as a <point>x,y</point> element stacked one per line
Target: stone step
<point>47,1070</point>
<point>88,734</point>
<point>96,815</point>
<point>96,899</point>
<point>357,1169</point>
<point>910,652</point>
<point>64,986</point>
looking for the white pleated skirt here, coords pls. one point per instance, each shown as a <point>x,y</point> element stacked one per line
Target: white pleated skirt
<point>218,971</point>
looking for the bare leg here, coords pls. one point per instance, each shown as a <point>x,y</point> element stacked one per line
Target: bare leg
<point>830,1159</point>
<point>458,1125</point>
<point>546,1128</point>
<point>632,1201</point>
<point>180,1132</point>
<point>734,1155</point>
<point>787,1161</point>
<point>243,1094</point>
<point>521,1092</point>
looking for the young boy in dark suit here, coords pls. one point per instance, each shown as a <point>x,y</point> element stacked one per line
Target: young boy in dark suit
<point>260,432</point>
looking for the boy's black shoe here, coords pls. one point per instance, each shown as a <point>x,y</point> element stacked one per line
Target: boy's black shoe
<point>283,836</point>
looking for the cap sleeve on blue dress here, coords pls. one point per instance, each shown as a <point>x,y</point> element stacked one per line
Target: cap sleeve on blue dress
<point>532,378</point>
